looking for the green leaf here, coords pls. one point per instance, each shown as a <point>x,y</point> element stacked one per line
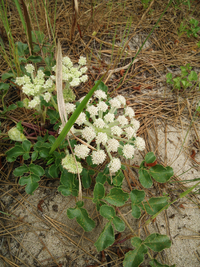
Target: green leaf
<point>82,218</point>
<point>101,178</point>
<point>169,77</point>
<point>36,169</point>
<point>106,238</point>
<point>34,59</point>
<point>137,196</point>
<point>14,152</point>
<point>86,179</point>
<point>44,152</point>
<point>53,115</point>
<point>119,224</point>
<point>51,139</point>
<point>136,242</point>
<point>98,193</point>
<point>102,87</point>
<point>118,178</point>
<point>135,211</point>
<point>38,36</point>
<point>193,76</point>
<point>183,71</point>
<point>150,158</point>
<point>31,183</point>
<point>65,191</point>
<point>11,107</point>
<point>154,205</point>
<point>177,82</point>
<point>155,263</point>
<point>73,118</point>
<point>145,178</point>
<point>157,242</point>
<point>107,212</point>
<point>26,145</point>
<point>21,48</point>
<point>26,156</point>
<point>136,257</point>
<point>117,197</point>
<point>4,86</point>
<point>160,173</point>
<point>53,171</point>
<point>20,170</point>
<point>7,75</point>
<point>34,155</point>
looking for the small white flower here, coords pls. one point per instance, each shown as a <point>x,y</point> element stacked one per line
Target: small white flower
<point>122,120</point>
<point>130,132</point>
<point>113,145</point>
<point>69,163</point>
<point>99,123</point>
<point>47,97</point>
<point>114,165</point>
<point>75,82</point>
<point>102,106</point>
<point>100,94</point>
<point>109,117</point>
<point>116,130</point>
<point>28,89</point>
<point>128,151</point>
<point>48,84</point>
<point>88,133</point>
<point>115,103</point>
<point>101,138</point>
<point>121,99</point>
<point>83,70</point>
<point>30,68</point>
<point>27,79</point>
<point>92,110</point>
<point>35,102</point>
<point>19,81</point>
<point>98,157</point>
<point>81,119</point>
<point>136,124</point>
<point>72,130</point>
<point>37,89</point>
<point>40,74</point>
<point>67,62</point>
<point>82,61</point>
<point>16,135</point>
<point>129,112</point>
<point>69,108</point>
<point>140,143</point>
<point>54,68</point>
<point>81,151</point>
<point>84,78</point>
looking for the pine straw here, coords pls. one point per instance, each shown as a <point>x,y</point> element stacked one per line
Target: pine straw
<point>163,51</point>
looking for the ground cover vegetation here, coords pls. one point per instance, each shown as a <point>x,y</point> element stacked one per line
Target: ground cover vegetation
<point>79,98</point>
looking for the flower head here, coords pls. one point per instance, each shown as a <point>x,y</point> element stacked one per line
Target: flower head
<point>100,94</point>
<point>16,135</point>
<point>98,157</point>
<point>88,133</point>
<point>82,61</point>
<point>81,119</point>
<point>112,145</point>
<point>99,123</point>
<point>30,68</point>
<point>101,138</point>
<point>140,143</point>
<point>128,151</point>
<point>81,151</point>
<point>69,163</point>
<point>129,112</point>
<point>115,103</point>
<point>114,165</point>
<point>116,130</point>
<point>69,108</point>
<point>92,110</point>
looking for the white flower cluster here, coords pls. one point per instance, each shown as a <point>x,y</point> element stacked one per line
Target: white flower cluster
<point>73,75</point>
<point>110,132</point>
<point>16,135</point>
<point>35,86</point>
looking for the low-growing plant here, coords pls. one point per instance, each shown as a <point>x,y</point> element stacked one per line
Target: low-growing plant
<point>99,131</point>
<point>192,29</point>
<point>187,79</point>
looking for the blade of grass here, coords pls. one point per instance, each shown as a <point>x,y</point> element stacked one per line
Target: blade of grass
<point>74,116</point>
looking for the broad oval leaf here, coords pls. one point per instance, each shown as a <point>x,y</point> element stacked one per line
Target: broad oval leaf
<point>86,179</point>
<point>119,224</point>
<point>31,183</point>
<point>160,173</point>
<point>137,196</point>
<point>106,238</point>
<point>65,191</point>
<point>136,211</point>
<point>98,193</point>
<point>154,205</point>
<point>136,242</point>
<point>145,178</point>
<point>101,178</point>
<point>150,157</point>
<point>36,169</point>
<point>117,197</point>
<point>157,242</point>
<point>155,263</point>
<point>26,145</point>
<point>118,178</point>
<point>20,170</point>
<point>135,257</point>
<point>107,212</point>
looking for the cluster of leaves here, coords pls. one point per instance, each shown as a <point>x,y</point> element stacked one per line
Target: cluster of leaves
<point>187,79</point>
<point>191,30</point>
